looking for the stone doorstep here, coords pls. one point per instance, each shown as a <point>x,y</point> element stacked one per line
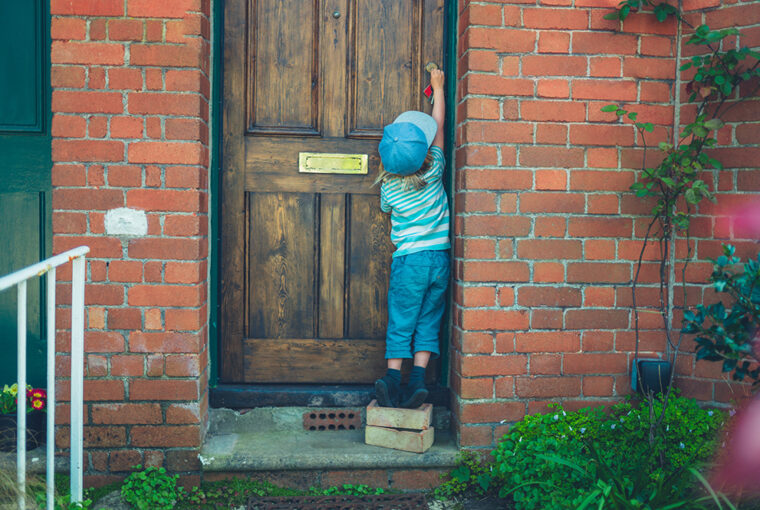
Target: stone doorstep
<point>273,439</point>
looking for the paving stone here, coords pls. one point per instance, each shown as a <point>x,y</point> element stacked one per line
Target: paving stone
<point>398,418</point>
<point>406,440</point>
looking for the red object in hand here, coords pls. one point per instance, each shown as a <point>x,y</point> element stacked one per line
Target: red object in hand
<point>428,91</point>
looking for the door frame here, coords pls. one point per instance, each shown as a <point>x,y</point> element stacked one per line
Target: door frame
<point>250,395</point>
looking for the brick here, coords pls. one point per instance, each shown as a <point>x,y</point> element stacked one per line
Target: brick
<point>167,249</point>
<point>69,223</point>
<point>492,412</point>
<point>389,417</point>
<point>600,180</point>
<point>552,202</point>
<point>87,150</point>
<point>185,272</point>
<point>553,88</point>
<point>152,9</point>
<point>165,436</point>
<point>493,225</point>
<point>503,40</point>
<point>558,19</point>
<point>125,30</point>
<point>588,363</point>
<point>124,318</point>
<point>164,342</point>
<point>546,249</point>
<point>551,134</point>
<point>604,89</point>
<point>99,246</point>
<point>187,81</point>
<point>478,366</point>
<point>551,180</point>
<point>186,129</point>
<point>67,77</point>
<point>554,65</point>
<point>545,364</point>
<point>181,414</point>
<point>476,388</point>
<point>549,341</point>
<point>182,366</point>
<point>410,441</point>
<point>550,226</point>
<point>497,85</point>
<point>164,104</point>
<point>165,152</point>
<point>651,68</point>
<point>552,157</point>
<point>126,414</point>
<point>595,43</point>
<point>596,319</point>
<point>165,295</point>
<point>475,435</point>
<point>163,389</point>
<point>65,52</point>
<point>555,111</point>
<point>553,42</point>
<point>478,296</point>
<point>480,320</point>
<point>548,296</point>
<point>87,7</point>
<point>598,272</point>
<point>496,179</point>
<point>551,387</point>
<point>606,67</point>
<point>495,271</point>
<point>164,55</point>
<point>601,135</point>
<point>68,29</point>
<point>546,272</point>
<point>600,227</point>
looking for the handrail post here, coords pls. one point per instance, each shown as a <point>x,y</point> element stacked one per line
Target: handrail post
<point>77,375</point>
<point>50,433</point>
<point>21,396</point>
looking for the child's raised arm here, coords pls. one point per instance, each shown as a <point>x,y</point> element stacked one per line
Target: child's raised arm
<point>439,105</point>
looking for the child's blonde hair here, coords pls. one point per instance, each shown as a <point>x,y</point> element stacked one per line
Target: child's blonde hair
<point>413,181</point>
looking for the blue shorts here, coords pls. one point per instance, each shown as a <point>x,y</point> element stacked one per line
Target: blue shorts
<point>416,302</point>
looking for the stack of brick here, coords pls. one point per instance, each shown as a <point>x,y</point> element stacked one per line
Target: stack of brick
<point>401,429</point>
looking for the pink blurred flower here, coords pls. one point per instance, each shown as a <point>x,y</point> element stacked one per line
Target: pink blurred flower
<point>739,466</point>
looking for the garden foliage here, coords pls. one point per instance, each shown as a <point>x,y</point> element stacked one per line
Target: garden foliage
<point>150,489</point>
<point>727,331</point>
<point>537,462</point>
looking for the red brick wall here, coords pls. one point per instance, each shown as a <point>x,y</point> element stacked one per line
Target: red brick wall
<point>130,129</point>
<point>546,232</point>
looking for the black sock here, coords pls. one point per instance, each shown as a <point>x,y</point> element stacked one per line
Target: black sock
<point>417,377</point>
<point>394,375</point>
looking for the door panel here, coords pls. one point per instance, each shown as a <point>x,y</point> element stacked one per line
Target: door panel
<point>24,173</point>
<point>306,257</point>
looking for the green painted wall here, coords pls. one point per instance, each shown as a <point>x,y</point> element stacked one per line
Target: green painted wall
<point>24,172</point>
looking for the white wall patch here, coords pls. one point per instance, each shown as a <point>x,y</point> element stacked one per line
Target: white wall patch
<point>126,222</point>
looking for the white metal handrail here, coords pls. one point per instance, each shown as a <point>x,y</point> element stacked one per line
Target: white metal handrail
<point>19,279</point>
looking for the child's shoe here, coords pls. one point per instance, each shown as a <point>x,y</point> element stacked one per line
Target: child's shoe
<point>414,395</point>
<point>387,391</point>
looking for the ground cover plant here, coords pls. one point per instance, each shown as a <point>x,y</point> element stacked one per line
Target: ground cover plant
<point>565,460</point>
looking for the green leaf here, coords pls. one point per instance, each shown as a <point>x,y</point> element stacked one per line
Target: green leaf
<point>612,15</point>
<point>699,131</point>
<point>714,124</point>
<point>702,30</point>
<point>610,108</point>
<point>648,127</point>
<point>684,67</point>
<point>726,88</point>
<point>633,115</point>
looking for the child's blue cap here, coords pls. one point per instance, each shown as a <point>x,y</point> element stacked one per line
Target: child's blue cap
<point>406,142</point>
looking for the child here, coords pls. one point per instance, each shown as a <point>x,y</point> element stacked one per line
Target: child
<point>412,191</point>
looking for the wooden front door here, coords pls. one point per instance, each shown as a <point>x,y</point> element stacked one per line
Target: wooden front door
<point>305,257</point>
<point>25,184</point>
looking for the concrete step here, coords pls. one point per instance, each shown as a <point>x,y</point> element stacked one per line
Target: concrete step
<point>273,439</point>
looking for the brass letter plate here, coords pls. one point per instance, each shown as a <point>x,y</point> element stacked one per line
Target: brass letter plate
<point>324,163</point>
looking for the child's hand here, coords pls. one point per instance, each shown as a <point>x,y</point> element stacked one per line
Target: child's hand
<point>436,79</point>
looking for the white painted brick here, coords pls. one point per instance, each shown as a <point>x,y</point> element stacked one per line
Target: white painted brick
<point>406,440</point>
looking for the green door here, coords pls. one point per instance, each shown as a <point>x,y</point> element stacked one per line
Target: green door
<point>25,184</point>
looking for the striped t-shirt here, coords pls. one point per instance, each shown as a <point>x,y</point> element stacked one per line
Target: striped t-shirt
<point>419,218</point>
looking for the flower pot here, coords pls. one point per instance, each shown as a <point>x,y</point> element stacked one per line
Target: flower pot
<point>650,375</point>
<point>35,431</point>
